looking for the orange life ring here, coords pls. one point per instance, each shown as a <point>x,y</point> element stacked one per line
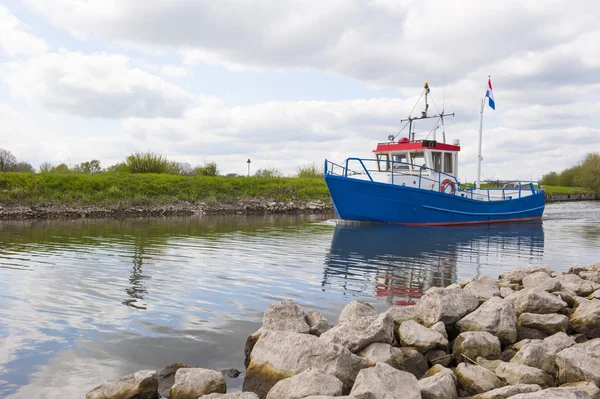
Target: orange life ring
<point>447,183</point>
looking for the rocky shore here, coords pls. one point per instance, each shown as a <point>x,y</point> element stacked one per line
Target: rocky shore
<point>531,333</point>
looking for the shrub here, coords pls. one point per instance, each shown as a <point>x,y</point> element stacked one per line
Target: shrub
<point>209,169</point>
<point>89,167</point>
<point>147,163</point>
<point>120,167</point>
<point>589,172</point>
<point>61,168</point>
<point>310,171</point>
<point>7,160</point>
<point>46,167</point>
<point>268,172</point>
<point>550,179</point>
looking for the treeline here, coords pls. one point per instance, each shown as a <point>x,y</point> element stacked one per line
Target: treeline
<point>586,174</point>
<point>142,163</point>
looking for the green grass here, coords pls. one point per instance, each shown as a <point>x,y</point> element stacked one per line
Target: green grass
<point>150,189</point>
<point>566,190</point>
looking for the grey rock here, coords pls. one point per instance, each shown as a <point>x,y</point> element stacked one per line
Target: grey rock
<point>166,377</point>
<point>521,343</point>
<point>441,328</point>
<point>541,281</point>
<point>488,364</point>
<point>424,339</point>
<point>437,369</point>
<point>589,387</point>
<point>414,362</point>
<point>568,296</point>
<point>508,391</point>
<point>594,295</point>
<point>586,319</point>
<point>517,276</point>
<point>327,397</point>
<point>541,354</point>
<point>357,334</point>
<point>453,286</point>
<point>507,354</point>
<point>233,395</point>
<point>515,374</point>
<point>474,344</point>
<point>250,342</point>
<point>474,379</point>
<point>438,356</point>
<point>191,383</point>
<point>307,383</point>
<point>139,385</point>
<point>535,301</point>
<point>592,275</point>
<point>553,393</point>
<point>317,323</point>
<point>580,362</point>
<point>384,353</point>
<point>484,288</point>
<point>231,373</point>
<point>524,333</point>
<point>447,306</point>
<point>495,316</point>
<point>385,382</point>
<point>282,354</point>
<point>357,310</point>
<point>578,285</point>
<point>400,314</point>
<point>506,291</point>
<point>550,323</point>
<point>579,338</point>
<point>285,315</point>
<point>438,386</point>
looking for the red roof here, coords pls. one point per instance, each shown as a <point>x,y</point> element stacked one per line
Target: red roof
<point>415,145</point>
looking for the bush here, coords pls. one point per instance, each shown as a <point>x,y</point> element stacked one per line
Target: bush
<point>310,171</point>
<point>268,172</point>
<point>550,179</point>
<point>209,169</point>
<point>120,167</point>
<point>89,167</point>
<point>46,167</point>
<point>589,172</point>
<point>567,176</point>
<point>62,168</point>
<point>7,161</point>
<point>147,163</point>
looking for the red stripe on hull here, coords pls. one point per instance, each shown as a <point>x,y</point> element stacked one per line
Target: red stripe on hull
<point>478,222</point>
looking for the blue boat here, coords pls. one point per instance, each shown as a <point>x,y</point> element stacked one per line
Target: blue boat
<point>414,182</point>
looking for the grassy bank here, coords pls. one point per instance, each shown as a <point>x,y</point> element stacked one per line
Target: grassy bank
<point>566,190</point>
<point>150,189</point>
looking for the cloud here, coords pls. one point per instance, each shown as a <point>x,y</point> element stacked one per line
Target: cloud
<point>93,85</point>
<point>174,71</point>
<point>14,38</point>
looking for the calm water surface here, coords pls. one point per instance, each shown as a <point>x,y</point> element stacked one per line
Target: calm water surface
<point>89,300</point>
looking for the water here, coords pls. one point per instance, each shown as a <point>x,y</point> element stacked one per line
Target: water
<point>88,300</point>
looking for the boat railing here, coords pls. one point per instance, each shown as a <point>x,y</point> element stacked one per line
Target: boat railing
<point>510,189</point>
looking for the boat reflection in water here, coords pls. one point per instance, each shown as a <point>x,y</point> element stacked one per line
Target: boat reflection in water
<point>400,262</point>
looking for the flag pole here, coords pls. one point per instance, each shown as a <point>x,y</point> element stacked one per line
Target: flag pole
<point>479,158</point>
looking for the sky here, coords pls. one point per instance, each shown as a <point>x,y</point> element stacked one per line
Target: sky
<point>288,83</point>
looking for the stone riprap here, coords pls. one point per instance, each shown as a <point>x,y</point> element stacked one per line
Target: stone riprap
<point>531,333</point>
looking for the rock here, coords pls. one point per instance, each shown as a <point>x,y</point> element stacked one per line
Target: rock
<point>506,291</point>
<point>508,391</point>
<point>517,276</point>
<point>589,387</point>
<point>453,286</point>
<point>441,328</point>
<point>234,395</point>
<point>231,373</point>
<point>484,288</point>
<point>438,386</point>
<point>579,338</point>
<point>414,362</point>
<point>307,383</point>
<point>554,393</point>
<point>475,344</point>
<point>282,354</point>
<point>533,300</point>
<point>250,342</point>
<point>285,315</point>
<point>488,364</point>
<point>166,378</point>
<point>586,319</point>
<point>424,339</point>
<point>515,374</point>
<point>495,316</point>
<point>550,323</point>
<point>384,353</point>
<point>568,296</point>
<point>317,323</point>
<point>593,276</point>
<point>580,362</point>
<point>541,354</point>
<point>524,333</point>
<point>542,281</point>
<point>521,343</point>
<point>139,385</point>
<point>447,306</point>
<point>507,355</point>
<point>578,285</point>
<point>437,356</point>
<point>400,314</point>
<point>594,295</point>
<point>193,383</point>
<point>474,379</point>
<point>440,369</point>
<point>357,334</point>
<point>384,381</point>
<point>357,310</point>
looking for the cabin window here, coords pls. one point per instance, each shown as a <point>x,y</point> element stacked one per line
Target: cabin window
<point>436,158</point>
<point>383,162</point>
<point>400,161</point>
<point>417,159</point>
<point>448,163</point>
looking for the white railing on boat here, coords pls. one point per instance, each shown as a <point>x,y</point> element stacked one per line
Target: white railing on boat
<point>357,167</point>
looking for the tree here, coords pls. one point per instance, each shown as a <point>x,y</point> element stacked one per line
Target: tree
<point>550,179</point>
<point>7,161</point>
<point>209,169</point>
<point>589,172</point>
<point>46,167</point>
<point>269,172</point>
<point>62,168</point>
<point>89,167</point>
<point>23,167</point>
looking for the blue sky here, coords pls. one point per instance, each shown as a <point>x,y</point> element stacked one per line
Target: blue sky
<point>288,83</point>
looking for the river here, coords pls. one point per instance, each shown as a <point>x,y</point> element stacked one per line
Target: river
<point>82,301</point>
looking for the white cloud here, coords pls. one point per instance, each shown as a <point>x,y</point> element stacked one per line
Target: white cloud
<point>14,38</point>
<point>174,71</point>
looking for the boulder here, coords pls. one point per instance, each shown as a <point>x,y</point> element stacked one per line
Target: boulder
<point>285,315</point>
<point>357,334</point>
<point>578,285</point>
<point>568,296</point>
<point>541,353</point>
<point>307,383</point>
<point>515,374</point>
<point>507,354</point>
<point>483,288</point>
<point>317,323</point>
<point>589,387</point>
<point>592,275</point>
<point>383,382</point>
<point>474,344</point>
<point>580,362</point>
<point>414,362</point>
<point>549,323</point>
<point>357,310</point>
<point>488,364</point>
<point>495,316</point>
<point>250,342</point>
<point>524,333</point>
<point>554,393</point>
<point>438,386</point>
<point>233,395</point>
<point>139,385</point>
<point>594,295</point>
<point>506,291</point>
<point>438,356</point>
<point>517,276</point>
<point>166,378</point>
<point>400,314</point>
<point>424,339</point>
<point>586,319</point>
<point>474,379</point>
<point>447,306</point>
<point>541,281</point>
<point>231,372</point>
<point>437,369</point>
<point>191,383</point>
<point>384,353</point>
<point>282,354</point>
<point>441,328</point>
<point>508,391</point>
<point>534,300</point>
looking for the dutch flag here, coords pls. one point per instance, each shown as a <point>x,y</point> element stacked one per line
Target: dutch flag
<point>490,94</point>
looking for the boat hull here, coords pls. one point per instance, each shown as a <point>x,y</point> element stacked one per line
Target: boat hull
<point>368,201</point>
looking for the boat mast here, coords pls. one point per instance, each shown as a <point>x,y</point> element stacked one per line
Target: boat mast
<point>479,158</point>
<point>411,130</point>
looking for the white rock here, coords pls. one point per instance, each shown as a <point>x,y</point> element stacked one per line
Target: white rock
<point>191,383</point>
<point>550,323</point>
<point>424,339</point>
<point>357,334</point>
<point>385,382</point>
<point>141,383</point>
<point>483,287</point>
<point>474,344</point>
<point>317,323</point>
<point>357,310</point>
<point>447,306</point>
<point>517,276</point>
<point>508,391</point>
<point>535,301</point>
<point>495,316</point>
<point>586,319</point>
<point>438,386</point>
<point>307,383</point>
<point>515,374</point>
<point>384,353</point>
<point>580,362</point>
<point>541,281</point>
<point>285,315</point>
<point>474,379</point>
